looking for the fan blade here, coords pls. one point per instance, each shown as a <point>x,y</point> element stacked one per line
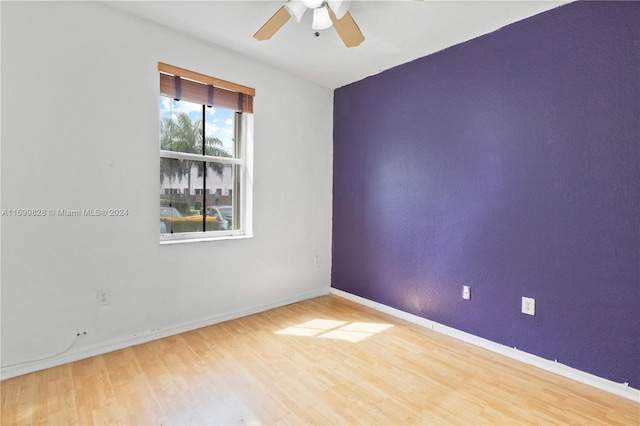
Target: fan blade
<point>347,29</point>
<point>273,24</point>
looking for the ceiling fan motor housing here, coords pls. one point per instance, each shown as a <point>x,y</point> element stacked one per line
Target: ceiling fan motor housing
<point>325,14</point>
<point>297,8</point>
<point>312,4</point>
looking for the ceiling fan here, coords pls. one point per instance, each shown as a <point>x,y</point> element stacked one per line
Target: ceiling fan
<point>325,14</point>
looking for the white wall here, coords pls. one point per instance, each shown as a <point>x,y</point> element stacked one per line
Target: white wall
<point>80,106</point>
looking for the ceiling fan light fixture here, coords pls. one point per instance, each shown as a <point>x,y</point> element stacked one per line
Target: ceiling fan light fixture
<point>296,9</point>
<point>321,19</point>
<point>339,7</point>
<point>312,4</point>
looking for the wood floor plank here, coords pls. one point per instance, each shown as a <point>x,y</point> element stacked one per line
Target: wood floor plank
<point>320,361</point>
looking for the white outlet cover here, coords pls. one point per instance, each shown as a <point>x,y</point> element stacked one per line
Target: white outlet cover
<point>103,296</point>
<point>528,306</point>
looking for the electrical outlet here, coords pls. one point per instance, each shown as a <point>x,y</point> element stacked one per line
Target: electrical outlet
<point>466,292</point>
<point>317,260</point>
<point>528,306</point>
<point>103,296</point>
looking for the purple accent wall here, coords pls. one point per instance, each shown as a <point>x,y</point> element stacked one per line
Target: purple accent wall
<point>510,163</point>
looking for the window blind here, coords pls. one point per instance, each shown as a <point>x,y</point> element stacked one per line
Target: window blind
<point>179,83</point>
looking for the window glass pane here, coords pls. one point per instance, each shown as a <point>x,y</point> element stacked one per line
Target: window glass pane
<point>221,179</point>
<point>180,126</point>
<point>220,132</point>
<point>184,193</point>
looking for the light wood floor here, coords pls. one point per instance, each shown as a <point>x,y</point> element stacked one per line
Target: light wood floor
<point>321,361</point>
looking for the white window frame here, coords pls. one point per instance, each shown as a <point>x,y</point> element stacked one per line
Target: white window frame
<point>244,159</point>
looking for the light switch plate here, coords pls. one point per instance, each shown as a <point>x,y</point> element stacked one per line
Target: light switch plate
<point>466,292</point>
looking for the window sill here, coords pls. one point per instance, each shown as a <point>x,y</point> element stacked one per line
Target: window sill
<point>205,239</point>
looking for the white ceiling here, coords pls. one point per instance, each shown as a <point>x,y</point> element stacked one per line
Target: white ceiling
<point>396,31</point>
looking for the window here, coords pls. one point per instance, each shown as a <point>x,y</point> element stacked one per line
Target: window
<point>206,132</point>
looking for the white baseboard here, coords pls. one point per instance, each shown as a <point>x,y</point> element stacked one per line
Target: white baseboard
<point>139,338</point>
<point>620,389</point>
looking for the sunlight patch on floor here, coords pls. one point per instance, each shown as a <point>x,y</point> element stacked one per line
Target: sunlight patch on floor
<point>332,329</point>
